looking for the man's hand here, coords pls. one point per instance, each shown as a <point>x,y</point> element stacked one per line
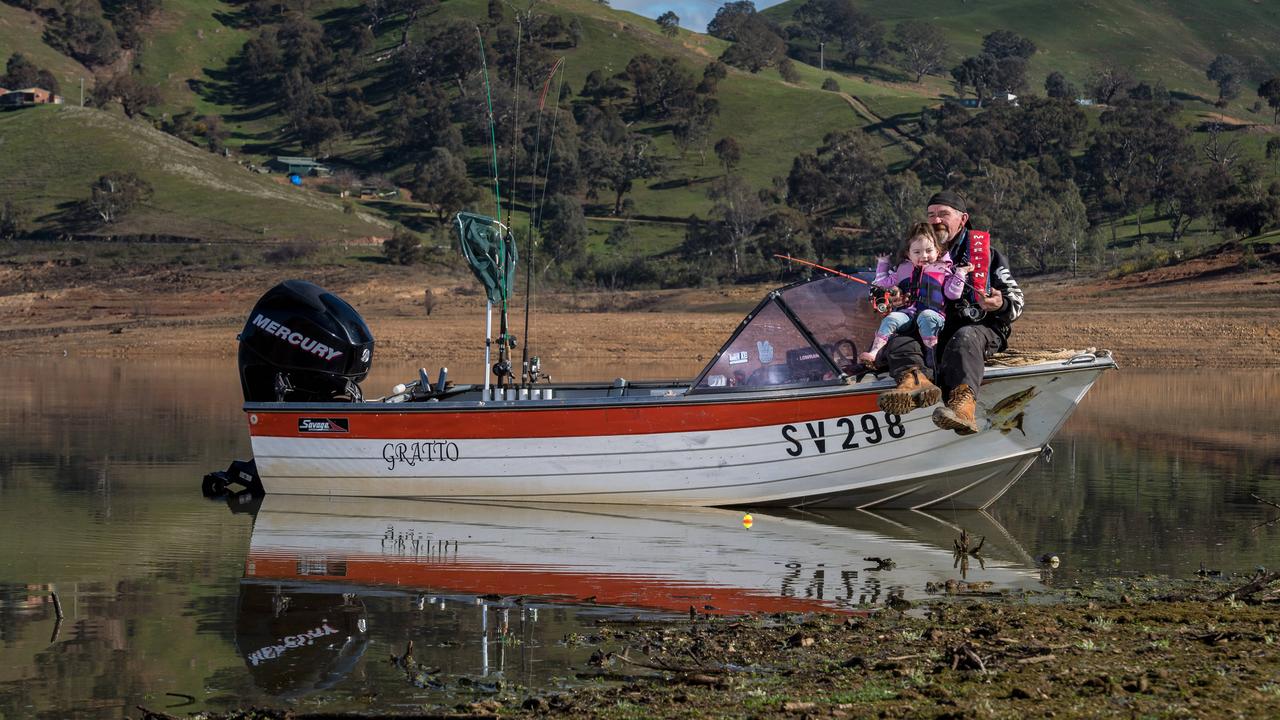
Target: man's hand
<point>992,302</point>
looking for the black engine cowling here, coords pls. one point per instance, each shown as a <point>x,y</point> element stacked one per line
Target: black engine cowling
<point>303,344</point>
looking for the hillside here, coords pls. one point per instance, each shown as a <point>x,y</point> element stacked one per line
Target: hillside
<point>1172,41</point>
<point>52,154</point>
<point>196,53</point>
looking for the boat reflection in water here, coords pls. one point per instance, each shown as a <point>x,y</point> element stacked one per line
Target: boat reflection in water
<point>490,588</point>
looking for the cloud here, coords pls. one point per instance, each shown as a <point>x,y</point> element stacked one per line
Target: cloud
<point>694,14</point>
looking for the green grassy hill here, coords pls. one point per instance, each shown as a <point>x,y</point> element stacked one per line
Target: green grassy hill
<point>49,157</point>
<point>52,154</point>
<point>1172,41</point>
<point>21,31</point>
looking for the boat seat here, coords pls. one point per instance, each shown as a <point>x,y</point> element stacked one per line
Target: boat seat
<point>619,388</point>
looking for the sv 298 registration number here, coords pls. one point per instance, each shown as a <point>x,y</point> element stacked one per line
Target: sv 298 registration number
<point>845,432</point>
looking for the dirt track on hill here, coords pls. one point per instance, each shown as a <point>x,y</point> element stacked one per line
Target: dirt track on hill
<point>1204,313</point>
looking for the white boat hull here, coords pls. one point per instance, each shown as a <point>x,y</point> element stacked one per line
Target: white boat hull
<point>828,447</point>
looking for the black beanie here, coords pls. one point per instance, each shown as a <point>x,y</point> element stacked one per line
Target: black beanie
<point>950,199</point>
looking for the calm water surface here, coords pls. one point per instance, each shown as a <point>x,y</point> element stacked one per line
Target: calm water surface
<point>176,602</point>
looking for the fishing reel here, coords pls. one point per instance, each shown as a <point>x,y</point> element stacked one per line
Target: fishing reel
<point>971,312</point>
<point>883,300</point>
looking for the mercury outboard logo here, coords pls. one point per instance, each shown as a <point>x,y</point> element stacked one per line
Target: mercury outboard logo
<point>307,344</point>
<point>323,425</point>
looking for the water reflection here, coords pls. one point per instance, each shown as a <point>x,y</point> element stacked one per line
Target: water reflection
<point>663,559</point>
<point>484,593</point>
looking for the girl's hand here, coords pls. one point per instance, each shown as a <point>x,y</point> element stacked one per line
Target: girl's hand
<point>963,270</point>
<point>882,259</point>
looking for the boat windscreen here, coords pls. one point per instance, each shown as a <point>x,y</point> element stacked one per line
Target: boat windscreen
<point>767,351</point>
<point>838,313</point>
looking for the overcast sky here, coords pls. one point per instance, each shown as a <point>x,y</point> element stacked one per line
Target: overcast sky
<point>694,14</point>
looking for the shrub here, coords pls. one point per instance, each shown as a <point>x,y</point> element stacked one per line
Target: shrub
<point>290,252</point>
<point>831,85</point>
<point>403,247</point>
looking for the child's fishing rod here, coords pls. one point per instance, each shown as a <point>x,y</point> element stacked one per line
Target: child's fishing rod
<point>822,267</point>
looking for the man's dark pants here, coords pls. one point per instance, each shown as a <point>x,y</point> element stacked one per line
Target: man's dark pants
<point>962,363</point>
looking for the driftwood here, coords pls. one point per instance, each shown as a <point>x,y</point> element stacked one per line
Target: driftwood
<point>1251,588</point>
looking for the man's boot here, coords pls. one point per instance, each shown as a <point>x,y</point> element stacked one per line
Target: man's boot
<point>914,391</point>
<point>957,414</point>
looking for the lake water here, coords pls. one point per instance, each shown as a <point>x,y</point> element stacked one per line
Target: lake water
<point>179,603</point>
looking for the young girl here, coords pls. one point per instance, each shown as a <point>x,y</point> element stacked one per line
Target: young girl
<point>927,278</point>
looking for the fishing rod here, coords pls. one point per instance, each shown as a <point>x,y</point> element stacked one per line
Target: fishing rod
<point>527,372</point>
<point>497,199</point>
<point>822,267</point>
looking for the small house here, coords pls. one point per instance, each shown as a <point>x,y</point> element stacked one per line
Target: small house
<point>300,166</point>
<point>29,96</point>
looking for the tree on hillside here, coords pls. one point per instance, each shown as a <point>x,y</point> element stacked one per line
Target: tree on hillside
<point>1190,193</point>
<point>1269,90</point>
<point>853,163</point>
<point>19,73</point>
<point>809,190</point>
<point>669,23</point>
<point>1006,43</point>
<point>861,34</point>
<point>1228,73</point>
<point>999,69</point>
<point>442,181</point>
<point>1108,80</point>
<point>740,211</point>
<point>128,18</point>
<point>81,31</point>
<point>134,95</point>
<point>757,45</point>
<point>616,166</point>
<point>563,229</point>
<point>730,18</point>
<point>893,207</point>
<point>1048,126</point>
<point>812,22</point>
<point>693,125</point>
<point>116,193</point>
<point>712,74</point>
<point>1130,156</point>
<point>1056,86</point>
<point>1273,151</point>
<point>661,86</point>
<point>921,47</point>
<point>729,153</point>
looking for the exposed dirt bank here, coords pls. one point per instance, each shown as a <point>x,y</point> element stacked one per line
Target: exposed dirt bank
<point>1208,312</point>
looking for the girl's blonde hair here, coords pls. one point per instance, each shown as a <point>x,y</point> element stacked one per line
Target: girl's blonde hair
<point>920,230</point>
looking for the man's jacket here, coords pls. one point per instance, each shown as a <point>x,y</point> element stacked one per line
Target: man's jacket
<point>999,278</point>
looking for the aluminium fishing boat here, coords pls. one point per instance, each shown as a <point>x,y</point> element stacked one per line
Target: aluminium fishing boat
<point>782,415</point>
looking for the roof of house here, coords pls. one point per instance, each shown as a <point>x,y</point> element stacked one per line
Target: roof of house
<point>287,160</point>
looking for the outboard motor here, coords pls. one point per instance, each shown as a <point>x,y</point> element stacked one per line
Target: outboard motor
<point>303,344</point>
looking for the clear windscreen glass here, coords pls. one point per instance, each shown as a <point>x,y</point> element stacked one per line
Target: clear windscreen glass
<point>768,352</point>
<point>838,313</point>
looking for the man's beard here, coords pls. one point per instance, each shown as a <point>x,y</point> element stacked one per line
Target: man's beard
<point>942,233</point>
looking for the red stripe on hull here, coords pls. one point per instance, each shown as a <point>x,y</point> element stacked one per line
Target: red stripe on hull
<point>518,422</point>
<point>484,579</point>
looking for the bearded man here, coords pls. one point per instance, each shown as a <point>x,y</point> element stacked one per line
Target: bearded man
<point>977,327</point>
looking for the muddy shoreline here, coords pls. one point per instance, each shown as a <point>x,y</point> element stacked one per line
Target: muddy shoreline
<point>1138,647</point>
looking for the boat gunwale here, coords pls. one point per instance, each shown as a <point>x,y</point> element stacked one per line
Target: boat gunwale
<point>1056,367</point>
